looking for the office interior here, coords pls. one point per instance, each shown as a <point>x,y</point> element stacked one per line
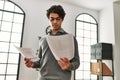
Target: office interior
<point>35,23</point>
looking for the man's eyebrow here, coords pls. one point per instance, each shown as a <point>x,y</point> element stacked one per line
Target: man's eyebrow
<point>54,17</point>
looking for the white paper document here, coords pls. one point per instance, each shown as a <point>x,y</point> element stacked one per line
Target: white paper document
<point>26,52</point>
<point>61,46</point>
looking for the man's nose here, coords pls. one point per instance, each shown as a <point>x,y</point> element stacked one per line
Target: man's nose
<point>55,21</point>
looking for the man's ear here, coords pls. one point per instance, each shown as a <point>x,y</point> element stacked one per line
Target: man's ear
<point>47,29</point>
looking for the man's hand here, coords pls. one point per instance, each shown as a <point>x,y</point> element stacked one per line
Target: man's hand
<point>28,62</point>
<point>64,63</point>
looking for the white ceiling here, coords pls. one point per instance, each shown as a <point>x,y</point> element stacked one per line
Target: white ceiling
<point>91,4</point>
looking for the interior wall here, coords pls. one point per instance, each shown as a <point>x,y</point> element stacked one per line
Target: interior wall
<point>109,32</point>
<point>106,25</point>
<point>36,22</point>
<point>116,8</point>
<point>106,32</point>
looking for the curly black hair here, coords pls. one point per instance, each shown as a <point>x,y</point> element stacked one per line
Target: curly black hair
<point>56,9</point>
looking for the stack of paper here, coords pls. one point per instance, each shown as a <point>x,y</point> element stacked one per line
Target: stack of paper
<point>26,52</point>
<point>61,46</point>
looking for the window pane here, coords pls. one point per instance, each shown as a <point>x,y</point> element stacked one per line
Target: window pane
<point>107,78</point>
<point>9,6</point>
<point>13,58</point>
<point>81,58</point>
<point>81,17</point>
<point>2,77</point>
<point>86,49</point>
<point>87,66</point>
<point>0,25</point>
<point>79,75</point>
<point>4,47</point>
<point>7,16</point>
<point>94,35</point>
<point>11,77</point>
<point>4,36</point>
<point>0,15</point>
<point>12,48</point>
<point>17,27</point>
<point>93,27</point>
<point>87,57</point>
<point>87,75</point>
<point>15,37</point>
<point>80,40</point>
<point>10,33</point>
<point>81,66</point>
<point>86,18</point>
<point>18,18</point>
<point>94,77</point>
<point>93,41</point>
<point>86,26</point>
<point>81,50</point>
<point>80,33</point>
<point>92,20</point>
<point>86,34</point>
<point>3,58</point>
<point>12,69</point>
<point>1,4</point>
<point>2,68</point>
<point>6,26</point>
<point>80,25</point>
<point>86,41</point>
<point>17,9</point>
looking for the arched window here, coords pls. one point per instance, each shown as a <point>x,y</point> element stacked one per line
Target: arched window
<point>86,34</point>
<point>11,32</point>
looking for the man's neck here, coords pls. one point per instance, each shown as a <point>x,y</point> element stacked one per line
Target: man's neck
<point>54,31</point>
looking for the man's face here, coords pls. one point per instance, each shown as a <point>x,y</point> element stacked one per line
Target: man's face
<point>55,21</point>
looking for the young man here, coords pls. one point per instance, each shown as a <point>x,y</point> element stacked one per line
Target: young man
<point>50,68</point>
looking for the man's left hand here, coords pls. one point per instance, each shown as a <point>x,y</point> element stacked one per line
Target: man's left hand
<point>64,63</point>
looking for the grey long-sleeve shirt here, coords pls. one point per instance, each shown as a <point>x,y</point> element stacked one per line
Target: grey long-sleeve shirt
<point>49,67</point>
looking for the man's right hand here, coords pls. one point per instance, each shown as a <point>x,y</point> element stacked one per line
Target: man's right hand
<point>28,62</point>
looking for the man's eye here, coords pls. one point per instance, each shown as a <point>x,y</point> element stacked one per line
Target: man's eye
<point>57,18</point>
<point>51,19</point>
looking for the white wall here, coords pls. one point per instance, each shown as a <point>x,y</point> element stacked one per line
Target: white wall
<point>36,22</point>
<point>109,32</point>
<point>117,39</point>
<point>106,25</point>
<point>106,30</point>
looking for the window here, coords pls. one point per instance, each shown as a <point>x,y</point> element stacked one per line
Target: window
<point>11,32</point>
<point>86,34</point>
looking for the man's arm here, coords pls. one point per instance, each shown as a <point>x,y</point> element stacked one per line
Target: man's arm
<point>73,64</point>
<point>33,64</point>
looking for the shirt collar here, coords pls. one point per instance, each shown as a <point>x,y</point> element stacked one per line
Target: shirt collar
<point>60,31</point>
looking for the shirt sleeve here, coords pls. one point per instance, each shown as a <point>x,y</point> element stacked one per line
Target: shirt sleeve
<point>75,62</point>
<point>37,63</point>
